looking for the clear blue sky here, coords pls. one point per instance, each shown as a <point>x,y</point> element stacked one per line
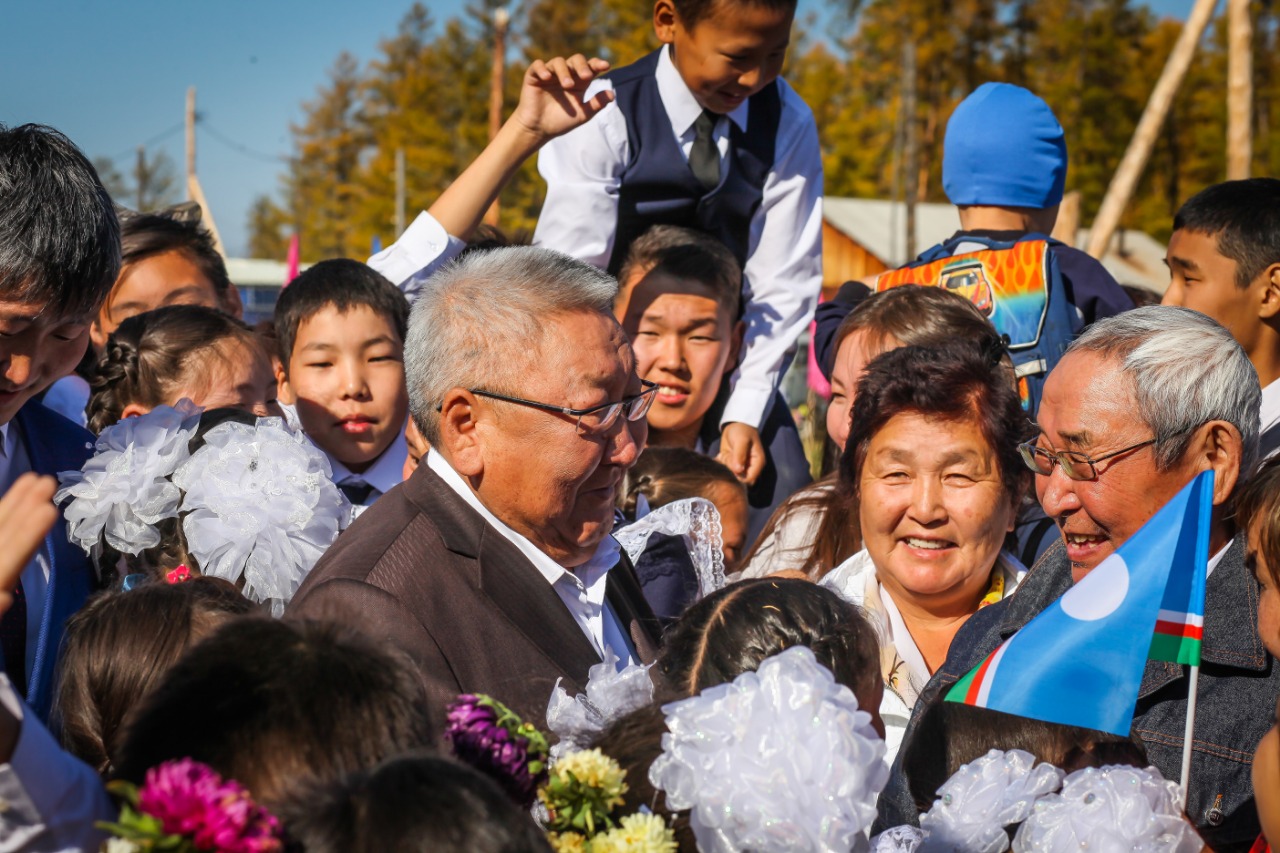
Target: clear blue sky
<point>113,75</point>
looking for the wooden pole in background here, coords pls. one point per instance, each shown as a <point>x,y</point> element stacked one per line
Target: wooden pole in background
<point>1144,137</point>
<point>501,20</point>
<point>1239,90</point>
<point>194,192</point>
<point>911,186</point>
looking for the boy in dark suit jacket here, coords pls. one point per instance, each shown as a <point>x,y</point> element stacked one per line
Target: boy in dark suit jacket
<point>59,255</point>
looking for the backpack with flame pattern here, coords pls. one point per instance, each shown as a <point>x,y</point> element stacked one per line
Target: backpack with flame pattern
<point>1017,286</point>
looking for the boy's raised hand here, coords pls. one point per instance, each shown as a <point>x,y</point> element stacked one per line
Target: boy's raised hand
<point>551,95</point>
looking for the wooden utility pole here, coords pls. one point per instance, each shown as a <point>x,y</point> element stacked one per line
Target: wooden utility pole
<point>501,20</point>
<point>911,174</point>
<point>140,179</point>
<point>399,192</point>
<point>1144,137</point>
<point>1239,90</point>
<point>1068,223</point>
<point>194,192</point>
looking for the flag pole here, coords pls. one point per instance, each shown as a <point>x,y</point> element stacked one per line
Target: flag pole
<point>1193,692</point>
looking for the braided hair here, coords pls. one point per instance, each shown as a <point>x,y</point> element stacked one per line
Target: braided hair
<point>151,355</point>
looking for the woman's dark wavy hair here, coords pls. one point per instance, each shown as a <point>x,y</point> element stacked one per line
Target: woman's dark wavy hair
<point>151,354</point>
<point>958,381</point>
<point>735,629</point>
<point>117,648</point>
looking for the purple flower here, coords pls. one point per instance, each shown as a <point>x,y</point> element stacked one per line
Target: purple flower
<point>191,800</point>
<point>487,735</point>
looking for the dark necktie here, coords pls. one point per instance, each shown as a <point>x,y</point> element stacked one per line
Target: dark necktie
<point>704,157</point>
<point>357,491</point>
<point>13,638</point>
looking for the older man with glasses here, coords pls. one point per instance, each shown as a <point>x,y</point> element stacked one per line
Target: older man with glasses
<point>492,566</point>
<point>1141,403</point>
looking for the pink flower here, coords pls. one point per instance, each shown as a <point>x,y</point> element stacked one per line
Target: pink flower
<point>191,800</point>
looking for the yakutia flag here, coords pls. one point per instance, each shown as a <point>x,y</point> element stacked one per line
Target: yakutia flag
<point>1080,662</point>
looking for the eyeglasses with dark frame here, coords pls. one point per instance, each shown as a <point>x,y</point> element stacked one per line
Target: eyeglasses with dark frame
<point>595,420</point>
<point>1076,465</point>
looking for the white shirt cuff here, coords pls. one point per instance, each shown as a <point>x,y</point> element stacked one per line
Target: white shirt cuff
<point>422,249</point>
<point>49,799</point>
<point>747,406</point>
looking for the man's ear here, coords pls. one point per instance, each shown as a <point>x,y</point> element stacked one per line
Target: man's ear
<point>231,302</point>
<point>665,20</point>
<point>1269,308</point>
<point>284,391</point>
<point>460,441</point>
<point>1218,446</point>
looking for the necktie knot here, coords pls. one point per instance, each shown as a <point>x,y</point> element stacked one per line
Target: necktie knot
<point>356,490</point>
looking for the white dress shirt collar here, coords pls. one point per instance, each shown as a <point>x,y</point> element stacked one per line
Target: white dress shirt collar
<point>1270,408</point>
<point>682,107</point>
<point>386,472</point>
<point>582,590</point>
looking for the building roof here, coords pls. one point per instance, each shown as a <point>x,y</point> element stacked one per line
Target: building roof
<point>879,226</point>
<point>257,272</point>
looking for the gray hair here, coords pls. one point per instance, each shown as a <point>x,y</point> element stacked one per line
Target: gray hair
<point>1186,371</point>
<point>474,319</point>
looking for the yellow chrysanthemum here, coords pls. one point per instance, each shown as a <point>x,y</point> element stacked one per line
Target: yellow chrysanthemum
<point>637,833</point>
<point>593,768</point>
<point>567,842</point>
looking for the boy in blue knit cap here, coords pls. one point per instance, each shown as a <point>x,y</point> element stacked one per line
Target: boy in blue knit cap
<point>1004,164</point>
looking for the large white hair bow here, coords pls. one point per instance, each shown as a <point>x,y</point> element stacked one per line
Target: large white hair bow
<point>124,490</point>
<point>259,503</point>
<point>781,759</point>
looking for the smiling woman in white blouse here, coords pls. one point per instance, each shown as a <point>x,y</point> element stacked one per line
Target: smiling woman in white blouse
<point>933,464</point>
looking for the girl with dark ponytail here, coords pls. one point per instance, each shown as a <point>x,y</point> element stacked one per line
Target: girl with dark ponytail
<point>162,356</point>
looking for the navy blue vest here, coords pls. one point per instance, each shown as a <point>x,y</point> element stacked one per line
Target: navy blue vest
<point>657,186</point>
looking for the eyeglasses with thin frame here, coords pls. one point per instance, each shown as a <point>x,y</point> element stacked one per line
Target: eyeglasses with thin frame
<point>595,420</point>
<point>1076,465</point>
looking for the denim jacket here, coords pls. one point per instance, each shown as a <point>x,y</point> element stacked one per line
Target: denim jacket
<point>1239,684</point>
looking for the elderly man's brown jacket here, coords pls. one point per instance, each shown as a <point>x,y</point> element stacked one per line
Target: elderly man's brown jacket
<point>423,572</point>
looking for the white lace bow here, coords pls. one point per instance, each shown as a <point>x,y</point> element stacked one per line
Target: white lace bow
<point>697,521</point>
<point>259,504</point>
<point>781,759</point>
<point>1109,808</point>
<point>611,693</point>
<point>124,490</point>
<point>984,796</point>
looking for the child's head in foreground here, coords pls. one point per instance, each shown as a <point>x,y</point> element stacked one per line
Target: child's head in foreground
<point>59,254</point>
<point>725,50</point>
<point>664,475</point>
<point>679,298</point>
<point>160,357</point>
<point>166,259</point>
<point>1004,148</point>
<point>340,329</point>
<point>119,646</point>
<point>280,707</point>
<point>415,803</point>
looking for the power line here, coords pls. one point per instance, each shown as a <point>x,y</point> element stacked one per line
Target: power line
<point>238,147</point>
<point>159,137</point>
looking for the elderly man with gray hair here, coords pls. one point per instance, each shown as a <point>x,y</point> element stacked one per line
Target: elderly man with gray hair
<point>492,566</point>
<point>1140,404</point>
